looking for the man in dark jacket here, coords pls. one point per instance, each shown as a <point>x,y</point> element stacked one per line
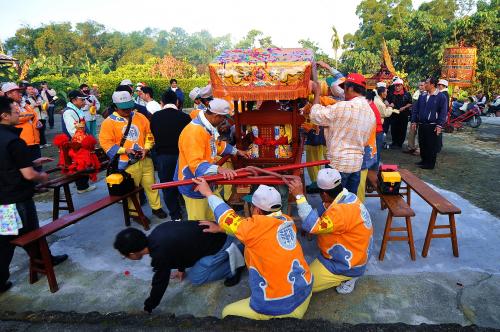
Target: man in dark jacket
<point>181,245</point>
<point>401,100</point>
<point>430,116</point>
<point>17,184</point>
<point>166,126</point>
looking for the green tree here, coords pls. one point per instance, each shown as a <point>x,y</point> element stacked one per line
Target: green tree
<point>335,44</point>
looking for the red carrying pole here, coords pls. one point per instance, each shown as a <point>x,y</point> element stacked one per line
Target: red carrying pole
<point>240,174</point>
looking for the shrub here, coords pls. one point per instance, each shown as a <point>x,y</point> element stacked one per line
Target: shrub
<point>108,83</point>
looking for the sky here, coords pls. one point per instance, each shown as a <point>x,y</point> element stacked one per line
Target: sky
<point>285,21</point>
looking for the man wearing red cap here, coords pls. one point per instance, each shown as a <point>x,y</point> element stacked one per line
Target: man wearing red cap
<point>348,124</point>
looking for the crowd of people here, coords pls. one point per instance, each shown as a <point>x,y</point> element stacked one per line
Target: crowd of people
<point>146,136</point>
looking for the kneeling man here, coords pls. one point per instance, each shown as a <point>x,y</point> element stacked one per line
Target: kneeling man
<point>344,230</point>
<point>181,245</point>
<point>279,277</point>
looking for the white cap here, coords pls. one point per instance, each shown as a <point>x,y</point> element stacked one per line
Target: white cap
<point>381,85</point>
<point>395,78</point>
<point>126,82</point>
<point>397,81</point>
<point>206,92</point>
<point>219,106</point>
<point>195,93</point>
<point>443,82</point>
<point>122,100</point>
<point>267,198</point>
<point>328,178</point>
<point>10,86</point>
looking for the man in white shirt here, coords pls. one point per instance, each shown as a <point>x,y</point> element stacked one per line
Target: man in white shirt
<point>151,105</point>
<point>347,128</point>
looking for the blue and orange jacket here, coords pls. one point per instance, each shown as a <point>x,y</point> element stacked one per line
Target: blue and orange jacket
<point>279,276</point>
<point>139,136</point>
<point>197,151</point>
<point>345,233</point>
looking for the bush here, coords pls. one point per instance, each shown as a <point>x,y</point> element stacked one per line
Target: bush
<point>108,83</point>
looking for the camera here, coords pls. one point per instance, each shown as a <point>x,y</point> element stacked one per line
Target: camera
<point>134,157</point>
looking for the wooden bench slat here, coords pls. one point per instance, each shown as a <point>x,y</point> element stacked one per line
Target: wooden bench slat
<point>395,203</point>
<point>69,219</point>
<point>432,197</point>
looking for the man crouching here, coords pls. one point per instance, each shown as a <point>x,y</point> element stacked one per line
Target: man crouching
<point>344,230</point>
<point>279,277</point>
<point>181,245</point>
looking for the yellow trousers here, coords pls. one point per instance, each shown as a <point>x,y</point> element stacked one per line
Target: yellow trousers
<point>324,279</point>
<point>198,208</point>
<point>228,189</point>
<point>314,153</point>
<point>362,185</point>
<point>143,173</point>
<point>242,308</point>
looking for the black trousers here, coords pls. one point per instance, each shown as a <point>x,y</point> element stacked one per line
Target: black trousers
<point>82,183</point>
<point>165,164</point>
<point>399,125</point>
<point>41,130</point>
<point>27,212</point>
<point>429,144</point>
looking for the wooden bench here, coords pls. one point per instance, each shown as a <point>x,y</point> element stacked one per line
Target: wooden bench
<point>35,242</point>
<point>439,205</point>
<point>64,181</point>
<point>397,208</point>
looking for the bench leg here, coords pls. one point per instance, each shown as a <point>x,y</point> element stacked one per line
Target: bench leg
<point>137,205</point>
<point>55,203</point>
<point>33,253</point>
<point>454,241</point>
<point>387,232</point>
<point>409,231</point>
<point>69,199</point>
<point>126,212</point>
<point>47,262</point>
<point>408,195</point>
<point>430,231</point>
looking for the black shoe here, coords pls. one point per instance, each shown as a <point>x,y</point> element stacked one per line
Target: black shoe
<point>426,167</point>
<point>420,163</point>
<point>234,280</point>
<point>5,287</point>
<point>160,213</point>
<point>56,260</point>
<point>395,147</point>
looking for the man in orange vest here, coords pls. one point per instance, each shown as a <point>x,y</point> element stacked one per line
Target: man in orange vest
<point>279,276</point>
<point>344,229</point>
<point>28,120</point>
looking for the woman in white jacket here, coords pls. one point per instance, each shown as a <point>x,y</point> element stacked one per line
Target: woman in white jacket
<point>384,109</point>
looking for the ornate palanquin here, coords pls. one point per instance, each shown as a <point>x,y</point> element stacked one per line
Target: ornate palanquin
<point>267,86</point>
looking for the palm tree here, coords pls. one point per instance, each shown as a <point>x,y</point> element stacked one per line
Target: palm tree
<point>335,44</point>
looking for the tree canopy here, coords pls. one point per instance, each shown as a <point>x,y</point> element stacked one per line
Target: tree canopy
<point>415,37</point>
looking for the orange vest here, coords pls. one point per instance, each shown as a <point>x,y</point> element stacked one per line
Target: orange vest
<point>345,235</point>
<point>27,122</point>
<point>197,151</point>
<point>279,276</point>
<point>112,129</point>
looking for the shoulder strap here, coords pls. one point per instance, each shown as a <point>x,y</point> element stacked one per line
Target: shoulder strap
<point>113,165</point>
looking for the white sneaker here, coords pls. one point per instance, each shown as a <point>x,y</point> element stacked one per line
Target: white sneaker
<point>346,286</point>
<point>90,188</point>
<point>48,145</point>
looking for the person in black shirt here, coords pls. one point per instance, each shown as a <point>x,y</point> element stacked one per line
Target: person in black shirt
<point>181,245</point>
<point>401,100</point>
<point>17,184</point>
<point>166,126</point>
